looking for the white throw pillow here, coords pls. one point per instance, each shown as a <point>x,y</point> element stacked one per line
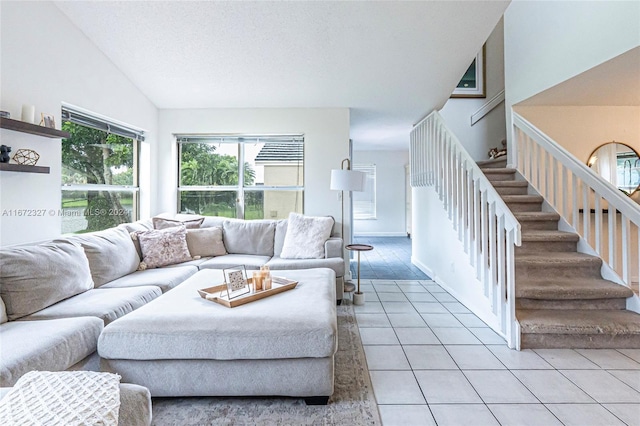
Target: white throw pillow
<point>306,236</point>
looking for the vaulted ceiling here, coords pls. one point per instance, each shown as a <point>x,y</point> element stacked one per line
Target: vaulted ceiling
<point>390,62</point>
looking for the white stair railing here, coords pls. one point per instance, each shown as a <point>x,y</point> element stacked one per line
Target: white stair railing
<point>580,196</point>
<point>485,225</point>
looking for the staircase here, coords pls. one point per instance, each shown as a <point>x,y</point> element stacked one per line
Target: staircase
<point>562,301</point>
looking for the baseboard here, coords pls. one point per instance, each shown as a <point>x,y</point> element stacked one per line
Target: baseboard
<point>380,234</point>
<point>424,268</point>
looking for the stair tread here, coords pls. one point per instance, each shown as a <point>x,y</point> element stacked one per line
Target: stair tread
<point>522,198</point>
<point>510,183</point>
<point>554,258</point>
<point>571,289</point>
<point>493,163</point>
<point>579,321</point>
<point>534,216</point>
<point>499,170</point>
<point>549,235</point>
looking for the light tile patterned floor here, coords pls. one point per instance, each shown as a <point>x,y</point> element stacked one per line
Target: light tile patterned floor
<point>432,362</point>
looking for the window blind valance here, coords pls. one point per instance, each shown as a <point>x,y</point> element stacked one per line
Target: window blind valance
<point>88,120</point>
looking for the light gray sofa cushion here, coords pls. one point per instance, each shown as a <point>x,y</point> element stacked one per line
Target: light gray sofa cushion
<point>3,312</point>
<point>139,226</point>
<point>335,263</point>
<point>135,405</point>
<point>211,221</point>
<point>249,236</point>
<point>34,277</point>
<point>48,345</point>
<point>250,261</point>
<point>205,242</point>
<point>333,247</point>
<point>281,232</point>
<point>298,323</point>
<point>164,278</point>
<point>108,304</point>
<point>111,254</point>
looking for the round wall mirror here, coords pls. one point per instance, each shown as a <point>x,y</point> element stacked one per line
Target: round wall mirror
<point>617,163</point>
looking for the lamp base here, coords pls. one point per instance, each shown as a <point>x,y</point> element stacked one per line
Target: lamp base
<point>358,298</point>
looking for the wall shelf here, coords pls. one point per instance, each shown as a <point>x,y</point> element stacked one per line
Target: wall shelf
<point>21,126</point>
<point>9,167</point>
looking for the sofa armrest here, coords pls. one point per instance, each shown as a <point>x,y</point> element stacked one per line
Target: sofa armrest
<point>333,247</point>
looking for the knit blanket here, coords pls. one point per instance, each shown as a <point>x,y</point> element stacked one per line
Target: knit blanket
<point>62,398</point>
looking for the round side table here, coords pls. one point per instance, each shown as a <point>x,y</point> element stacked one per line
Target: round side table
<point>358,296</point>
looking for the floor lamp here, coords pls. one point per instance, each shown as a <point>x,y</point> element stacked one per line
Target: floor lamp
<point>346,180</point>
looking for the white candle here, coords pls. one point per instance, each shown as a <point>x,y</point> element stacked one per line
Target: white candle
<point>28,113</point>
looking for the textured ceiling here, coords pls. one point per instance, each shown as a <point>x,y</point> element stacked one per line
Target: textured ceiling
<point>389,62</point>
<point>615,82</point>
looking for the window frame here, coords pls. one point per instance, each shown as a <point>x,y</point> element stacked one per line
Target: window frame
<point>240,189</point>
<point>95,121</point>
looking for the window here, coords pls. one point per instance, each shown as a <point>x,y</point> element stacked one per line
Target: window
<point>247,177</point>
<point>99,173</point>
<point>364,203</point>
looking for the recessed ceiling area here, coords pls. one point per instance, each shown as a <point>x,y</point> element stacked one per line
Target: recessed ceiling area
<point>615,82</point>
<point>390,62</point>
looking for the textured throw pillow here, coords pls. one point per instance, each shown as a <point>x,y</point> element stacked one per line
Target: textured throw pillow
<point>306,236</point>
<point>163,223</point>
<point>163,247</point>
<point>205,242</point>
<point>35,277</point>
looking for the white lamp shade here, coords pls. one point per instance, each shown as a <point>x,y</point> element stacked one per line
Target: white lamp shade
<point>347,180</point>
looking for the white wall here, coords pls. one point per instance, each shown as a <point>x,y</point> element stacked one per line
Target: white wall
<point>491,130</point>
<point>581,129</point>
<point>326,143</point>
<point>547,43</point>
<point>437,251</point>
<point>390,193</point>
<point>46,60</point>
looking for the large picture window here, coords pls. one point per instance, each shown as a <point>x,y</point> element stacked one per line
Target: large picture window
<point>99,173</point>
<point>247,177</point>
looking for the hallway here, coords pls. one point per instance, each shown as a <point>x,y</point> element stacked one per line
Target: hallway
<point>390,259</point>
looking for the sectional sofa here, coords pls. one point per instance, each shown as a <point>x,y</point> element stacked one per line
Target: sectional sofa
<point>56,296</point>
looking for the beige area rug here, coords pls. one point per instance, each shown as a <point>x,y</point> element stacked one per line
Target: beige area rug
<point>352,403</point>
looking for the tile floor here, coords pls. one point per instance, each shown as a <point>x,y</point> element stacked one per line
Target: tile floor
<point>390,259</point>
<point>432,362</point>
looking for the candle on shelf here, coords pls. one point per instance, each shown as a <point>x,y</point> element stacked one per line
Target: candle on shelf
<point>28,113</point>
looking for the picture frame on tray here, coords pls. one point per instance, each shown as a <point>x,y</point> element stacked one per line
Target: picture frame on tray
<point>236,281</point>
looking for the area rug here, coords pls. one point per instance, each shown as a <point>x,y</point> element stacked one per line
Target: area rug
<point>352,403</point>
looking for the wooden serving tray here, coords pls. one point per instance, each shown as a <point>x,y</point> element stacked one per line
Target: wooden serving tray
<point>278,285</point>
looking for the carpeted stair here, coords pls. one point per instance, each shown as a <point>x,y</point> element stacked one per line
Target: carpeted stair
<point>562,301</point>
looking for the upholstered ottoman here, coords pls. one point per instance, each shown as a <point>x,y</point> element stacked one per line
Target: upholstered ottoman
<point>182,345</point>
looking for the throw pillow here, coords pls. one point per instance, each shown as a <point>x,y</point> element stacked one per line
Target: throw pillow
<point>306,236</point>
<point>164,223</point>
<point>35,277</point>
<point>205,242</point>
<point>163,247</point>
